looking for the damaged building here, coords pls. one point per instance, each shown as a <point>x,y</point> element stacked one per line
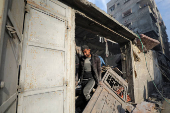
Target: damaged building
<point>141,16</point>
<point>39,40</point>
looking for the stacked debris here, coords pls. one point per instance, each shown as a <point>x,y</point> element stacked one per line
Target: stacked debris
<point>156,103</point>
<point>111,96</point>
<point>105,68</point>
<point>144,107</point>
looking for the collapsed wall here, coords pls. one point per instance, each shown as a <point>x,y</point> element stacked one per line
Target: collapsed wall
<point>143,85</point>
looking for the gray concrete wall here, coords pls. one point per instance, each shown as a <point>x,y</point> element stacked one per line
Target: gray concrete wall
<point>143,85</point>
<point>140,19</point>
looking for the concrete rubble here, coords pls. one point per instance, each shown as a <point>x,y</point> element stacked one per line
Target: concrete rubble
<point>101,98</point>
<point>112,95</point>
<point>145,107</point>
<point>149,43</point>
<point>115,88</point>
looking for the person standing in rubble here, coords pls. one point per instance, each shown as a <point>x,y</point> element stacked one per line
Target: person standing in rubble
<point>90,71</point>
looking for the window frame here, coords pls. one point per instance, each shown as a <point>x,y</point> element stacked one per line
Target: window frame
<point>126,1</point>
<point>113,6</point>
<point>124,13</point>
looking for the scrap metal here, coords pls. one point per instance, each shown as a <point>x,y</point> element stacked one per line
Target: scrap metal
<point>111,96</point>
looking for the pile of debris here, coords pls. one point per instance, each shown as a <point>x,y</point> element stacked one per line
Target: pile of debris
<point>112,97</point>
<point>144,107</point>
<point>154,104</point>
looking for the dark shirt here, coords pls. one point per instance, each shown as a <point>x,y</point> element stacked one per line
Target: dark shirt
<point>95,68</point>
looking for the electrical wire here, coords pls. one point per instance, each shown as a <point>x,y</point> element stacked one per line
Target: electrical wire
<point>163,73</point>
<point>150,74</point>
<point>159,64</point>
<point>164,67</point>
<point>165,76</point>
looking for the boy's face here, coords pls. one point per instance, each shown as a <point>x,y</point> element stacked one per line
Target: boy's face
<point>86,53</point>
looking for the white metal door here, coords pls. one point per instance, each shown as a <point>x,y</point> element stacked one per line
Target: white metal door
<point>11,24</point>
<point>46,65</point>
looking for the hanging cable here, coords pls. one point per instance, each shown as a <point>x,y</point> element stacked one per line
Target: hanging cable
<point>150,74</point>
<point>164,67</point>
<point>163,73</point>
<point>161,70</point>
<point>159,64</point>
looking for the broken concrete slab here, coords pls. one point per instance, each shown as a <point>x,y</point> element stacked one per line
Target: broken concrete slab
<point>149,43</point>
<point>129,107</point>
<point>106,99</point>
<point>145,107</point>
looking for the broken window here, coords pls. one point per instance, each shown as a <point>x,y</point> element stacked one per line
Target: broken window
<point>142,6</point>
<point>127,13</point>
<point>138,1</point>
<point>153,17</point>
<point>112,8</point>
<point>128,24</point>
<point>127,1</point>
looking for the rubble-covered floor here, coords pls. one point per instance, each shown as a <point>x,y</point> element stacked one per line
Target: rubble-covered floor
<point>154,104</point>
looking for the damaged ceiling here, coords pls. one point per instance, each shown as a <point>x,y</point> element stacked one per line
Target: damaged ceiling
<point>84,36</point>
<point>90,17</point>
